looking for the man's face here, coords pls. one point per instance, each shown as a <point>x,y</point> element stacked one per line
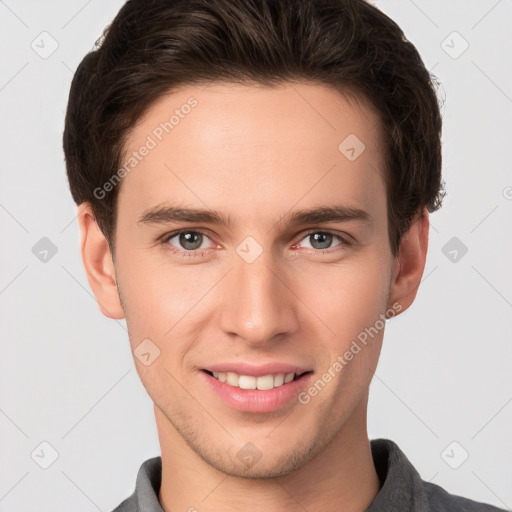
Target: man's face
<point>261,289</point>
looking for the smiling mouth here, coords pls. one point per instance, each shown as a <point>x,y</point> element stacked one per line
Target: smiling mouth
<point>263,382</point>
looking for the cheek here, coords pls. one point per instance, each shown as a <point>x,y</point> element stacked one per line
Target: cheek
<point>146,296</point>
<point>347,297</point>
<point>160,300</point>
<point>164,301</point>
<point>349,301</point>
<point>155,309</point>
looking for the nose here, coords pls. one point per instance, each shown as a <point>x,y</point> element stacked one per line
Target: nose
<point>258,301</point>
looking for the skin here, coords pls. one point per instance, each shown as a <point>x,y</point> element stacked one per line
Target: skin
<point>257,154</point>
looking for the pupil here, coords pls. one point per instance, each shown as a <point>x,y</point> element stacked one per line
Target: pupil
<point>324,239</point>
<point>190,238</point>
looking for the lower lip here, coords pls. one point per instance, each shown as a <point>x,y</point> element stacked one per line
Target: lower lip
<point>255,400</point>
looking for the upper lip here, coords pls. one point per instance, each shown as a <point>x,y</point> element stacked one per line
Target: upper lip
<point>257,371</point>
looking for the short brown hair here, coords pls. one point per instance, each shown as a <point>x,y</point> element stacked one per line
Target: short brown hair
<point>154,46</point>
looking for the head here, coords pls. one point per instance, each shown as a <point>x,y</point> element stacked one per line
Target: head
<point>308,132</point>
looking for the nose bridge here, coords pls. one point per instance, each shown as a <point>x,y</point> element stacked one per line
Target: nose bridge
<point>258,305</point>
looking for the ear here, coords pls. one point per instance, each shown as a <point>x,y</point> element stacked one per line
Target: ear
<point>409,264</point>
<point>98,263</point>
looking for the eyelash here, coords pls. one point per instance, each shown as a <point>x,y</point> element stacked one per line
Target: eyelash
<point>197,253</point>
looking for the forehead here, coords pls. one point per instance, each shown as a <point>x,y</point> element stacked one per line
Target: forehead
<point>227,146</point>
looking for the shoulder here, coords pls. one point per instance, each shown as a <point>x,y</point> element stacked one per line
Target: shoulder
<point>440,501</point>
<point>147,486</point>
<point>402,487</point>
<point>128,505</point>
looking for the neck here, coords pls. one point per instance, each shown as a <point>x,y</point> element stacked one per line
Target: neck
<point>340,477</point>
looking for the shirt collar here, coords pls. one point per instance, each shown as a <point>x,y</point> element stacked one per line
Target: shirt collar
<point>400,482</point>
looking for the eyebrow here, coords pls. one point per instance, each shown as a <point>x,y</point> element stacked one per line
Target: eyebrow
<point>162,214</point>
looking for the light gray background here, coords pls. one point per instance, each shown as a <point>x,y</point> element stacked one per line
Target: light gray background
<point>66,373</point>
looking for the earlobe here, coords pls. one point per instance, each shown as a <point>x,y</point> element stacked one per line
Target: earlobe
<point>409,264</point>
<point>98,264</point>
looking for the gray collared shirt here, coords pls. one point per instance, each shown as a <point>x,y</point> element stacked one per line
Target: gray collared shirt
<point>402,488</point>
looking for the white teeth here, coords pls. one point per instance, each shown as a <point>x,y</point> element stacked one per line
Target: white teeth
<point>264,382</point>
<point>232,378</point>
<point>246,382</point>
<point>288,377</point>
<point>279,379</point>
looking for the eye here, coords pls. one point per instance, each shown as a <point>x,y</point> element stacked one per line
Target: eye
<point>322,240</point>
<point>191,243</point>
<point>187,242</point>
